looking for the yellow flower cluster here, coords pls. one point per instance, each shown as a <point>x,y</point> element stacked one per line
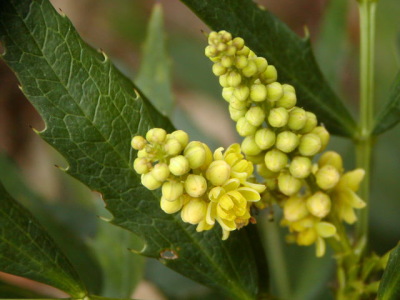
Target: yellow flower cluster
<point>206,188</point>
<point>282,139</point>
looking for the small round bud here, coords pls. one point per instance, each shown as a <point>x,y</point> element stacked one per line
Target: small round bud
<point>297,118</point>
<point>173,147</point>
<point>319,204</point>
<point>288,88</point>
<point>210,51</point>
<point>323,135</point>
<point>237,104</point>
<point>249,146</point>
<point>195,185</point>
<point>221,47</point>
<point>274,91</point>
<point>288,184</point>
<point>238,42</point>
<point>141,165</point>
<point>218,69</point>
<point>142,153</point>
<point>278,117</point>
<point>236,114</point>
<point>269,75</point>
<point>244,128</point>
<point>227,61</point>
<point>300,167</point>
<point>265,138</point>
<point>241,92</point>
<point>310,144</point>
<point>258,92</point>
<point>311,122</point>
<point>194,211</point>
<point>331,158</point>
<point>288,100</point>
<point>241,61</point>
<point>265,172</point>
<point>156,135</point>
<point>261,64</point>
<point>294,209</point>
<point>227,93</point>
<point>138,142</point>
<point>171,207</point>
<point>250,69</point>
<point>287,141</point>
<point>307,237</point>
<point>213,37</point>
<point>160,172</point>
<point>223,80</point>
<point>172,190</point>
<point>195,154</point>
<point>225,36</point>
<point>327,177</point>
<point>181,136</point>
<point>233,79</point>
<point>150,182</point>
<point>179,165</point>
<point>275,160</point>
<point>255,116</point>
<point>218,172</point>
<point>244,51</point>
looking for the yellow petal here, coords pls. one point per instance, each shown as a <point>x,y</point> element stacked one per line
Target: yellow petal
<point>231,185</point>
<point>351,179</point>
<point>211,213</point>
<point>255,186</point>
<point>225,234</point>
<point>325,229</point>
<point>227,225</point>
<point>218,153</point>
<point>249,194</point>
<point>226,202</point>
<point>320,247</point>
<point>216,193</point>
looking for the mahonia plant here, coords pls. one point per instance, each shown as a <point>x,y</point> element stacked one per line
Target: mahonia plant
<point>280,143</point>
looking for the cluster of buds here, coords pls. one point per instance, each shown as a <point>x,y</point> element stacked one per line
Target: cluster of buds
<point>205,187</point>
<point>282,139</point>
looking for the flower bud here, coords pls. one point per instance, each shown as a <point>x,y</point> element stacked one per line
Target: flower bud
<point>288,185</point>
<point>223,80</point>
<point>210,51</point>
<point>171,207</point>
<point>237,104</point>
<point>227,61</point>
<point>294,209</point>
<point>221,47</point>
<point>278,117</point>
<point>150,182</point>
<point>287,141</point>
<point>236,114</point>
<point>331,158</point>
<point>288,100</point>
<point>179,165</point>
<point>271,183</point>
<point>269,75</point>
<point>297,118</point>
<point>319,204</point>
<point>249,146</point>
<point>233,79</point>
<point>156,135</point>
<point>288,88</point>
<point>352,179</point>
<point>244,51</point>
<point>327,177</point>
<point>225,36</point>
<point>138,142</point>
<point>323,135</point>
<point>141,165</point>
<point>227,93</point>
<point>172,147</point>
<point>307,237</point>
<point>310,144</point>
<point>195,154</point>
<point>325,229</point>
<point>300,167</point>
<point>230,51</point>
<point>275,160</point>
<point>218,172</point>
<point>250,69</point>
<point>218,69</point>
<point>274,91</point>
<point>255,116</point>
<point>195,185</point>
<point>194,211</point>
<point>258,92</point>
<point>265,172</point>
<point>244,128</point>
<point>241,92</point>
<point>160,172</point>
<point>261,64</point>
<point>310,124</point>
<point>241,61</point>
<point>171,190</point>
<point>265,138</point>
<point>181,136</point>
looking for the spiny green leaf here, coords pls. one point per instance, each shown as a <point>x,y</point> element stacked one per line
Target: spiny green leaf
<point>92,111</point>
<point>154,78</point>
<point>27,250</point>
<point>389,116</point>
<point>292,56</point>
<point>389,289</point>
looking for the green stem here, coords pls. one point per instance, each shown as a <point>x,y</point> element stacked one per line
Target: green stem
<point>364,142</point>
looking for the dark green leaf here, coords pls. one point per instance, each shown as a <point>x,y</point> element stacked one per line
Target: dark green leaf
<point>389,289</point>
<point>92,111</point>
<point>389,116</point>
<point>27,250</point>
<point>292,56</point>
<point>8,291</point>
<point>154,78</point>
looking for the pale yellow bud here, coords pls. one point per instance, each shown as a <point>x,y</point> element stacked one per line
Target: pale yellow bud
<point>352,179</point>
<point>233,79</point>
<point>288,184</point>
<point>194,211</point>
<point>171,190</point>
<point>223,80</point>
<point>278,117</point>
<point>331,158</point>
<point>255,116</point>
<point>181,136</point>
<point>297,118</point>
<point>218,69</point>
<point>269,75</point>
<point>238,42</point>
<point>274,91</point>
<point>241,61</point>
<point>138,142</point>
<point>294,209</point>
<point>275,160</point>
<point>227,61</point>
<point>287,141</point>
<point>230,50</point>
<point>179,165</point>
<point>211,51</point>
<point>265,172</point>
<point>244,128</point>
<point>327,177</point>
<point>241,92</point>
<point>160,172</point>
<point>227,93</point>
<point>156,135</point>
<point>258,92</point>
<point>265,138</point>
<point>195,154</point>
<point>218,172</point>
<point>150,182</point>
<point>141,165</point>
<point>173,146</point>
<point>244,51</point>
<point>307,237</point>
<point>250,69</point>
<point>195,185</point>
<point>288,88</point>
<point>261,64</point>
<point>249,146</point>
<point>319,204</point>
<point>171,207</point>
<point>225,36</point>
<point>237,104</point>
<point>213,37</point>
<point>221,47</point>
<point>323,135</point>
<point>300,167</point>
<point>310,144</point>
<point>288,100</point>
<point>236,114</point>
<point>311,122</point>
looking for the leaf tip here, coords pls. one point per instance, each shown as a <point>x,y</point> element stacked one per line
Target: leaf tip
<point>61,13</point>
<point>62,168</point>
<point>105,56</point>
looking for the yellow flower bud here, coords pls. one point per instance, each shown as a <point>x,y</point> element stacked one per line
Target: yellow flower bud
<point>288,100</point>
<point>233,79</point>
<point>295,209</point>
<point>288,184</point>
<point>352,180</point>
<point>250,69</point>
<point>255,116</point>
<point>160,172</point>
<point>288,88</point>
<point>244,128</point>
<point>261,64</point>
<point>172,190</point>
<point>218,172</point>
<point>325,229</point>
<point>274,91</point>
<point>218,69</point>
<point>138,142</point>
<point>211,51</point>
<point>237,104</point>
<point>223,80</point>
<point>275,160</point>
<point>238,42</point>
<point>241,61</point>
<point>249,146</point>
<point>265,172</point>
<point>213,37</point>
<point>269,75</point>
<point>278,117</point>
<point>307,237</point>
<point>236,114</point>
<point>287,141</point>
<point>323,135</point>
<point>244,51</point>
<point>179,165</point>
<point>311,122</point>
<point>297,118</point>
<point>258,92</point>
<point>171,207</point>
<point>173,147</point>
<point>194,211</point>
<point>331,158</point>
<point>230,51</point>
<point>300,167</point>
<point>327,177</point>
<point>141,165</point>
<point>227,61</point>
<point>221,47</point>
<point>227,93</point>
<point>310,144</point>
<point>150,182</point>
<point>156,135</point>
<point>225,36</point>
<point>265,138</point>
<point>195,154</point>
<point>319,204</point>
<point>181,136</point>
<point>241,92</point>
<point>195,185</point>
